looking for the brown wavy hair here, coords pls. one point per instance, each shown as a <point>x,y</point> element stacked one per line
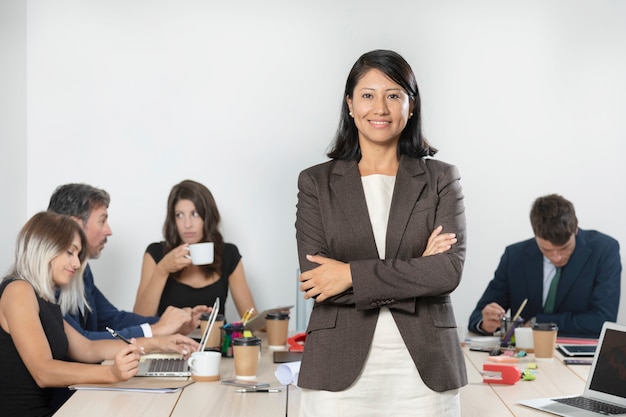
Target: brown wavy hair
<point>206,207</point>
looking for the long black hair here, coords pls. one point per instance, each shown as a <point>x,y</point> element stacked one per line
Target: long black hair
<point>412,142</point>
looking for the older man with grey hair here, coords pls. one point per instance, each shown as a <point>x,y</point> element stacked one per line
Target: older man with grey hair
<point>88,206</point>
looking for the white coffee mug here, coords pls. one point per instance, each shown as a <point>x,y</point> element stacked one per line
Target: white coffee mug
<point>524,338</point>
<point>205,366</point>
<point>201,253</point>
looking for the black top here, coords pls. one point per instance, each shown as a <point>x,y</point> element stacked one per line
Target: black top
<point>181,295</point>
<point>20,395</point>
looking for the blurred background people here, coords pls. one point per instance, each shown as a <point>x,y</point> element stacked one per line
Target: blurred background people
<point>569,276</point>
<point>168,278</point>
<point>88,206</point>
<point>34,338</point>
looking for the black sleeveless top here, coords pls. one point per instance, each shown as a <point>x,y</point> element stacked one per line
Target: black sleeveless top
<point>20,396</point>
<point>182,295</point>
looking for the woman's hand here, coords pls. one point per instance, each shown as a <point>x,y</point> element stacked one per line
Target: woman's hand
<point>439,242</point>
<point>126,362</point>
<point>329,279</point>
<point>176,259</point>
<point>175,343</point>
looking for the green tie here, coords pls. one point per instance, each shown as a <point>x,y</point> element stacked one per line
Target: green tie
<point>548,307</point>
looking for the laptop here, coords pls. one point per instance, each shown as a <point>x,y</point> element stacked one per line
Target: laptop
<point>176,366</point>
<point>605,391</point>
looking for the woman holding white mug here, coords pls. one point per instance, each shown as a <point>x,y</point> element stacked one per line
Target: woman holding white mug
<point>168,274</point>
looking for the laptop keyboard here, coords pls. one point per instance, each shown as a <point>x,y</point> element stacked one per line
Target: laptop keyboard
<point>168,365</point>
<point>592,405</point>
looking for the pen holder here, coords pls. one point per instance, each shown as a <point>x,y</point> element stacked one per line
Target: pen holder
<point>507,330</point>
<point>230,332</point>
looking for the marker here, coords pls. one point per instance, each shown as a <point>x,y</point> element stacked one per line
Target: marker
<point>258,390</point>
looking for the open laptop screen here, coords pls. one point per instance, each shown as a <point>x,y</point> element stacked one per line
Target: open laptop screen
<point>609,376</point>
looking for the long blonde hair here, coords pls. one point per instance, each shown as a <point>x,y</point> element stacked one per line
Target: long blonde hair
<point>44,237</point>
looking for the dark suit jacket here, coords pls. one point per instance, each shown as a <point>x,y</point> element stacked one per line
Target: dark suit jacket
<point>333,221</point>
<point>103,314</point>
<point>588,292</point>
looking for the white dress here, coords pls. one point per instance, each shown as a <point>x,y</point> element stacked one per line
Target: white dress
<point>389,384</point>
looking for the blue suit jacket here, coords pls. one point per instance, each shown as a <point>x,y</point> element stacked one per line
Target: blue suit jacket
<point>103,314</point>
<point>588,292</point>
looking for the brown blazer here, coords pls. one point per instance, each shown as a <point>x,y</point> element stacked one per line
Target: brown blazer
<point>332,220</point>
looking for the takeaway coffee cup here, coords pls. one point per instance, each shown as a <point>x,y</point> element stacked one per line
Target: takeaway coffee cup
<point>205,366</point>
<point>246,353</point>
<point>214,339</point>
<point>544,340</point>
<point>201,253</point>
<point>277,325</point>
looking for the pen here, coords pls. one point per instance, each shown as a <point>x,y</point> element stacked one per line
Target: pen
<point>258,390</point>
<point>118,336</point>
<point>122,338</point>
<point>519,310</point>
<point>246,316</point>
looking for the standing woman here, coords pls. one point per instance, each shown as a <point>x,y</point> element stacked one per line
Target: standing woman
<point>168,277</point>
<point>382,339</point>
<point>34,338</point>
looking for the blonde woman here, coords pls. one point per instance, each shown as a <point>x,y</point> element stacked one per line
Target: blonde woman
<point>34,338</point>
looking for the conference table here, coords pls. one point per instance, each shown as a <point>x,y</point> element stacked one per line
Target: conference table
<point>209,399</point>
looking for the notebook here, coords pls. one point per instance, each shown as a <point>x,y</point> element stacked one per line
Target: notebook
<point>176,366</point>
<point>605,390</point>
<point>258,322</point>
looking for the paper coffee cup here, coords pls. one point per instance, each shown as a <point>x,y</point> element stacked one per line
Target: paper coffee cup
<point>205,366</point>
<point>277,326</point>
<point>246,354</point>
<point>201,253</point>
<point>544,340</point>
<point>214,340</point>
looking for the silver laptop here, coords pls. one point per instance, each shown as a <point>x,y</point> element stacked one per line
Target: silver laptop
<point>605,391</point>
<point>176,366</point>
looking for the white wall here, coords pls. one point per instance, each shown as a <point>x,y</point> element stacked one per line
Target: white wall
<point>527,98</point>
<point>12,126</point>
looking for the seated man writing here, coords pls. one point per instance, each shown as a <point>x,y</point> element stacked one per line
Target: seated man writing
<point>569,276</point>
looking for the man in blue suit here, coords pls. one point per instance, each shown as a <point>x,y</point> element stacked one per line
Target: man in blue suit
<point>88,206</point>
<point>582,267</point>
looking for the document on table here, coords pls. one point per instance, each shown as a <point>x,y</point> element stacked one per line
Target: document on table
<point>287,373</point>
<point>154,385</point>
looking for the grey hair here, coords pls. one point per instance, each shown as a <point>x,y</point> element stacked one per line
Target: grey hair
<point>78,200</point>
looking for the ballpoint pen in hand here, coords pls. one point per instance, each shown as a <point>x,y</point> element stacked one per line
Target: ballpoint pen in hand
<point>118,336</point>
<point>122,338</point>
